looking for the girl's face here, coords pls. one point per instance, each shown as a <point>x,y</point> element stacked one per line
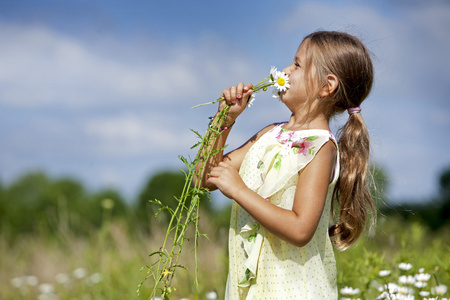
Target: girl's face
<point>297,93</point>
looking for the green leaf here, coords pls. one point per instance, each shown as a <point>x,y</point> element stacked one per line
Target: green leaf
<point>184,160</point>
<point>197,144</point>
<point>312,138</point>
<point>198,134</point>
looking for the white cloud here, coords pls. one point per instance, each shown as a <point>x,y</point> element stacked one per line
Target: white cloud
<point>132,134</point>
<point>41,67</point>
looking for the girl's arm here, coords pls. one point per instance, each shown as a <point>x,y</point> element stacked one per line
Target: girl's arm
<point>296,226</point>
<point>237,97</point>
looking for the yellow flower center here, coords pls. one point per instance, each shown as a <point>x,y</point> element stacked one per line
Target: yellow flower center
<point>281,81</point>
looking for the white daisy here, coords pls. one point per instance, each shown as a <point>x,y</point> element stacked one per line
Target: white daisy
<point>32,280</point>
<point>273,73</point>
<point>62,278</point>
<point>405,266</point>
<point>281,81</point>
<point>17,282</point>
<point>439,290</point>
<point>46,288</point>
<point>424,293</point>
<point>276,94</point>
<point>349,291</point>
<point>211,295</point>
<point>406,279</point>
<point>250,101</point>
<point>423,277</point>
<point>79,273</point>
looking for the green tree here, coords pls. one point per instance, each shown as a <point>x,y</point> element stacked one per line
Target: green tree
<point>22,202</point>
<point>105,205</point>
<point>164,186</point>
<point>36,202</point>
<point>444,196</point>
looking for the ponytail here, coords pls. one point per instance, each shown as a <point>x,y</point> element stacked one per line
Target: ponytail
<point>351,191</point>
<point>345,56</point>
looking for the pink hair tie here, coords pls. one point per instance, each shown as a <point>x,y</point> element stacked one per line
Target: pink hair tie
<point>354,110</point>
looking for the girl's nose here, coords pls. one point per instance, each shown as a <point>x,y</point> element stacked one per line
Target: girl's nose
<point>287,70</point>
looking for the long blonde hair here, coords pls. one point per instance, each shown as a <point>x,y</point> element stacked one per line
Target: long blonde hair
<point>346,57</point>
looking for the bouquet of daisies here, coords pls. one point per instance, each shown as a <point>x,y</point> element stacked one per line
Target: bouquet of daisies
<point>186,214</point>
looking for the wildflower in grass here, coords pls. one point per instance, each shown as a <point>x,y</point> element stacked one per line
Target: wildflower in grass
<point>46,288</point>
<point>384,273</point>
<point>349,291</point>
<point>94,278</point>
<point>406,279</point>
<point>62,278</point>
<point>384,295</point>
<point>423,277</point>
<point>31,280</point>
<point>405,266</point>
<point>17,282</point>
<point>79,273</point>
<point>392,288</point>
<point>48,297</point>
<point>403,290</point>
<point>420,284</point>
<point>424,293</point>
<point>211,295</point>
<point>439,290</point>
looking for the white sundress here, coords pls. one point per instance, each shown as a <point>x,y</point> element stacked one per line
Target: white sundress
<point>261,265</point>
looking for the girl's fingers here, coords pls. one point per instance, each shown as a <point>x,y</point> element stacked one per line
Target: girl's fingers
<point>240,90</point>
<point>233,93</point>
<point>236,94</point>
<point>248,89</point>
<point>225,94</point>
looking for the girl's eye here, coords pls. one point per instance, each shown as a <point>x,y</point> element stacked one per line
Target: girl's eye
<point>297,65</point>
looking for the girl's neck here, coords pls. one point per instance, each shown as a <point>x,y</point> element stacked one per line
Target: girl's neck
<point>307,120</point>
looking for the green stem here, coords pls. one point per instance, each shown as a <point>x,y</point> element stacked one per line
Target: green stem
<point>183,215</point>
<point>165,262</point>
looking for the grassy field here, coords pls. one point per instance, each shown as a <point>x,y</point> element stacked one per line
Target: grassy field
<point>106,264</point>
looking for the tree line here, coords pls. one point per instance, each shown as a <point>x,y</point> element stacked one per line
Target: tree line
<point>36,202</point>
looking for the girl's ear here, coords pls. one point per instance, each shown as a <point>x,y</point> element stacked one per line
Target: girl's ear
<point>330,87</point>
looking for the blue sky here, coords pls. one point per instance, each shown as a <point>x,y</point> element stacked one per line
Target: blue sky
<point>103,90</point>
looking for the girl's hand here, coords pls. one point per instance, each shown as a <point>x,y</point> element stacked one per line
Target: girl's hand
<point>237,97</point>
<point>226,178</point>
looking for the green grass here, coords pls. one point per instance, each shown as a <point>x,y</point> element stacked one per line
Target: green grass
<point>116,253</point>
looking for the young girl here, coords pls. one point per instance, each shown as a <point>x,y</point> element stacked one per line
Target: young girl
<point>284,179</point>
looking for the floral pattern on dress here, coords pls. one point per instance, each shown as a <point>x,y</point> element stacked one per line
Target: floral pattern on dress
<point>291,140</point>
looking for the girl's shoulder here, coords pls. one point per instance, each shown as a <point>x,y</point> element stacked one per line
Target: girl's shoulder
<point>283,135</point>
